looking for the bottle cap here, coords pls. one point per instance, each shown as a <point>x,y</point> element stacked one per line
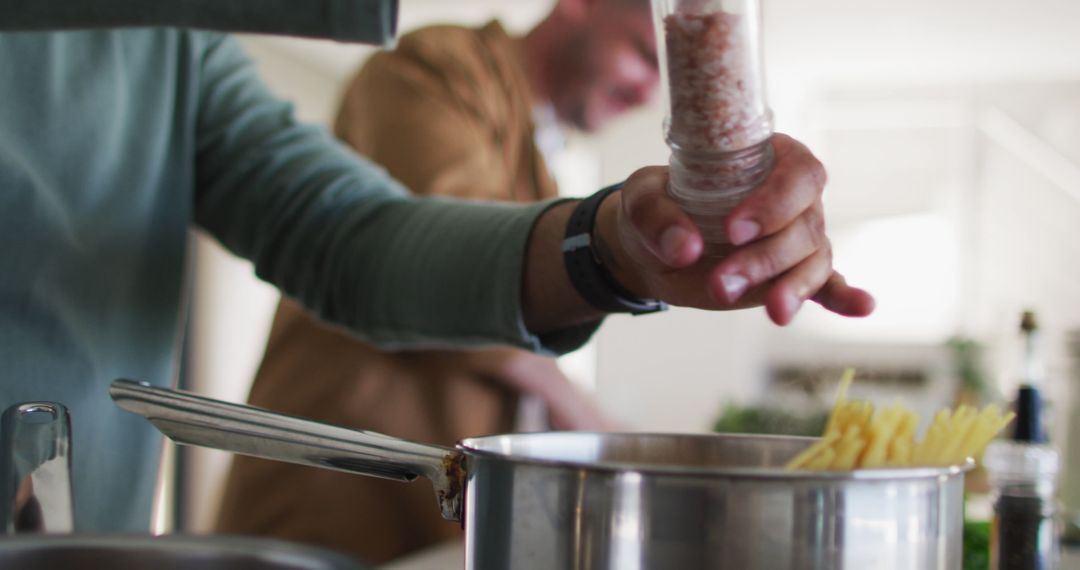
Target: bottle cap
<point>1028,322</point>
<point>1027,426</point>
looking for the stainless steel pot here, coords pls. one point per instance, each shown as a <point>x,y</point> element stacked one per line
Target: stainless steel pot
<point>36,502</point>
<point>591,501</point>
<point>172,552</point>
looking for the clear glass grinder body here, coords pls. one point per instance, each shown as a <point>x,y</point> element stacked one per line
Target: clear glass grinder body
<point>718,123</point>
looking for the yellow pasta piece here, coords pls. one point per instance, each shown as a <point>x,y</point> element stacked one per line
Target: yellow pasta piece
<point>822,461</point>
<point>985,422</point>
<point>959,426</point>
<point>899,453</point>
<point>903,442</point>
<point>908,424</point>
<point>882,433</point>
<point>839,408</point>
<point>822,444</point>
<point>857,437</point>
<point>924,451</point>
<point>848,449</point>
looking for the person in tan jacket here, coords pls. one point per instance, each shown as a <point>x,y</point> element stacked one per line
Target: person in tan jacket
<point>449,112</point>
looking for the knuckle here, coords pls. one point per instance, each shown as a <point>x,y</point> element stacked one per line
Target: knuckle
<point>641,208</point>
<point>814,230</point>
<point>811,172</point>
<point>769,264</point>
<point>817,227</point>
<point>785,178</point>
<point>776,205</point>
<point>647,175</point>
<point>817,171</point>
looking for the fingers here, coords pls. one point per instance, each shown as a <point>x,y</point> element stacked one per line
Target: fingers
<point>784,270</point>
<point>666,232</point>
<point>789,291</point>
<point>769,257</point>
<point>794,185</point>
<point>839,297</point>
<point>782,256</point>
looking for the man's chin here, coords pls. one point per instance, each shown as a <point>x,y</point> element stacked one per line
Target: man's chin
<point>590,119</point>
<point>582,120</point>
<point>600,118</point>
<point>591,122</point>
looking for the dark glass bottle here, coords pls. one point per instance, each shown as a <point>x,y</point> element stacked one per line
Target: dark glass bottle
<point>1023,472</point>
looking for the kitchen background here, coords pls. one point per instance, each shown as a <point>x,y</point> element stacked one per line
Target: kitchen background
<point>951,132</point>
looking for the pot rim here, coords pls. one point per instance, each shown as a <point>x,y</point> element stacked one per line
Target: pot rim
<point>469,447</point>
<point>262,548</point>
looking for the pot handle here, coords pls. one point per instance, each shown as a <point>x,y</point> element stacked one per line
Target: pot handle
<point>193,420</point>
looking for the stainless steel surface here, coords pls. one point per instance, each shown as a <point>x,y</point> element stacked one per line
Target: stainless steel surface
<point>451,556</point>
<point>636,501</point>
<point>35,469</point>
<point>29,552</point>
<point>247,430</point>
<point>588,501</point>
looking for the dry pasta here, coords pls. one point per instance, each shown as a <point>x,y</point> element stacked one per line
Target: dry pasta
<point>858,438</point>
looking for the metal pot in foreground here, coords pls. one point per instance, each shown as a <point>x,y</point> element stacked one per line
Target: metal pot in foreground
<point>592,501</point>
<point>36,515</point>
<point>169,552</point>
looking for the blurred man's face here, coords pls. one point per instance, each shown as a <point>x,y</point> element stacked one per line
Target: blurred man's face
<point>608,66</point>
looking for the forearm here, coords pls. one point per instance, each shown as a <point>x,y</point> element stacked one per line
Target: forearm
<point>368,21</point>
<point>549,300</point>
<point>408,274</point>
<point>335,232</point>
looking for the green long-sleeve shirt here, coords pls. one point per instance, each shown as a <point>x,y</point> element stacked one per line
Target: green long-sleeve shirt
<point>112,143</point>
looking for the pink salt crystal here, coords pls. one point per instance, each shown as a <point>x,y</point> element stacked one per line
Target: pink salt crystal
<point>716,102</point>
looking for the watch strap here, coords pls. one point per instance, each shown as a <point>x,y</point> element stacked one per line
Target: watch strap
<point>589,276</point>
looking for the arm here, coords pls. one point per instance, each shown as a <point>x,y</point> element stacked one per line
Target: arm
<point>368,21</point>
<point>337,233</point>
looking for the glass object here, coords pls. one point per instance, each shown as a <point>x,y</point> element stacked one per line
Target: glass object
<point>1022,479</point>
<point>1030,423</point>
<point>1070,481</point>
<point>1023,473</point>
<point>717,122</point>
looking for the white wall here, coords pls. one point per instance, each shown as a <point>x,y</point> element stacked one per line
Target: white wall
<point>816,51</point>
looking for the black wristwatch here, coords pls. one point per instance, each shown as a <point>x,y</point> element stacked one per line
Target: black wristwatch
<point>590,278</point>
